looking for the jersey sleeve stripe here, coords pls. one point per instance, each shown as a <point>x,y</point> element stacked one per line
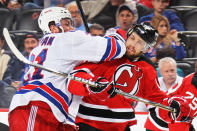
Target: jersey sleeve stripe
<point>113,49</point>
<point>117,51</point>
<point>107,52</point>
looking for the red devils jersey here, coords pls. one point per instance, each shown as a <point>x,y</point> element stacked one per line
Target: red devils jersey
<point>188,89</point>
<point>134,77</point>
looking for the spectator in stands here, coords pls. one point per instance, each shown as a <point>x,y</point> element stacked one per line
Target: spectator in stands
<point>14,4</point>
<point>5,97</point>
<point>76,17</point>
<point>148,3</point>
<point>168,69</point>
<point>167,52</point>
<point>17,5</point>
<point>2,3</point>
<point>30,4</point>
<point>50,3</point>
<point>124,19</point>
<point>166,38</point>
<point>40,3</point>
<point>16,69</point>
<point>97,30</point>
<point>103,12</point>
<point>4,57</point>
<point>159,9</point>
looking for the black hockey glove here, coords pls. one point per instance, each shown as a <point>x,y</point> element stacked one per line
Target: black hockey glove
<point>105,89</point>
<point>183,111</point>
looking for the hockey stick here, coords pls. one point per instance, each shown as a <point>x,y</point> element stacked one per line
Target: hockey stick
<point>82,16</point>
<point>145,101</point>
<point>23,59</point>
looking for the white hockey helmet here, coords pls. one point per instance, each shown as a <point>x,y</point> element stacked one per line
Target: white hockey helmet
<point>50,14</point>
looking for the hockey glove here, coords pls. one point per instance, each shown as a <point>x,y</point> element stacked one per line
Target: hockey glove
<point>104,91</point>
<point>183,111</point>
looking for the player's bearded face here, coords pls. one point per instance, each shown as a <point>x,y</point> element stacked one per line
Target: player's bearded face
<point>134,46</point>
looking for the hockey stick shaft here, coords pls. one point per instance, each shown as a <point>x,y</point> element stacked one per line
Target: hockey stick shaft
<point>145,101</point>
<point>82,16</point>
<point>90,83</point>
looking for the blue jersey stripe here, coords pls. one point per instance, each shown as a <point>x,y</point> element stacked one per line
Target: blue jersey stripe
<point>118,50</point>
<point>71,120</point>
<point>108,50</point>
<point>22,91</point>
<point>61,94</point>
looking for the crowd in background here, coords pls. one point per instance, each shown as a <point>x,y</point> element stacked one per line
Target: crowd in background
<point>103,16</point>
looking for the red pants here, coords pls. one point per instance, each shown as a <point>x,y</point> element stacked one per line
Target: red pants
<point>36,116</point>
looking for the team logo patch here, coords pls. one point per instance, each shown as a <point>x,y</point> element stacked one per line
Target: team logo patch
<point>127,78</point>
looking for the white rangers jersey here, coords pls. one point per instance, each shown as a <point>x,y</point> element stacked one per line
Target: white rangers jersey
<point>62,52</point>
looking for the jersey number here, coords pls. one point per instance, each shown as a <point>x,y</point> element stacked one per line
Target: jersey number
<point>40,60</point>
<point>193,104</point>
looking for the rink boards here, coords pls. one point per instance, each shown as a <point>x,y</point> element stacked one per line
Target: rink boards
<point>141,118</point>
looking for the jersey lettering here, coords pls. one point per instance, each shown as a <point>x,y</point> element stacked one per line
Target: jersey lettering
<point>47,41</point>
<point>127,78</point>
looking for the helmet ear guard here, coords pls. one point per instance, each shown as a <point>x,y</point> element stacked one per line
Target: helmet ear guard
<point>146,32</point>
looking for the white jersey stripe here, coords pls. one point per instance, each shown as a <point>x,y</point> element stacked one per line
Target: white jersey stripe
<point>32,117</point>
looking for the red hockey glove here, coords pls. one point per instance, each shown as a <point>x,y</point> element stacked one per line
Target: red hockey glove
<point>183,111</point>
<point>104,91</point>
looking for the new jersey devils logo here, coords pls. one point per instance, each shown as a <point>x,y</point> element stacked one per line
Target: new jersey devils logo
<point>127,78</point>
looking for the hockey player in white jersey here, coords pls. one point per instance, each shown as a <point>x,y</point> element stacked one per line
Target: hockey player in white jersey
<point>42,103</point>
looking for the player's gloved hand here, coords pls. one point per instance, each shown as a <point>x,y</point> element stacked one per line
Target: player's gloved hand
<point>183,111</point>
<point>76,87</point>
<point>104,91</point>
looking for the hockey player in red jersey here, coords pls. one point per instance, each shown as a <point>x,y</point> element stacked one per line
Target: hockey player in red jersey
<point>133,74</point>
<point>188,89</point>
<point>42,102</point>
